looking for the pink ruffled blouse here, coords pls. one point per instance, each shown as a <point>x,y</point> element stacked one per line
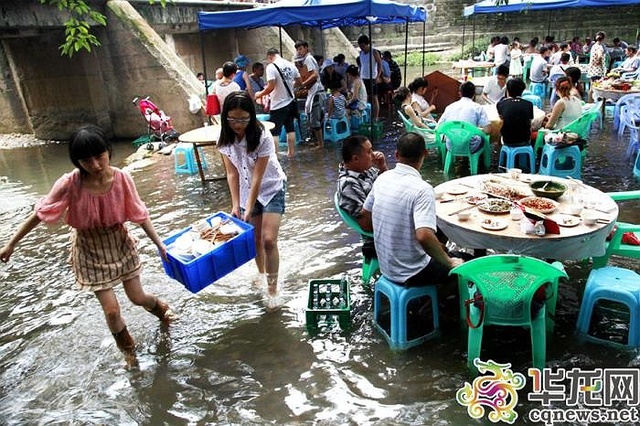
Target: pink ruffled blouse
<point>85,210</point>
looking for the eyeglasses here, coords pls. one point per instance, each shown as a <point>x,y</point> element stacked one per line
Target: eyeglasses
<point>244,121</point>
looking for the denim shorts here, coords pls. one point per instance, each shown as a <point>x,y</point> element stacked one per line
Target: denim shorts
<point>276,205</point>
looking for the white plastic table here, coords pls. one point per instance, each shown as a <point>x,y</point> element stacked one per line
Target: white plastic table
<point>573,243</point>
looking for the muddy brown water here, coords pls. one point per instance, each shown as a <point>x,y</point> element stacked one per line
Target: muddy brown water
<point>227,361</point>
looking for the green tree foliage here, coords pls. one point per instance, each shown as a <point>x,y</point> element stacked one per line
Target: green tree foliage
<point>77,29</point>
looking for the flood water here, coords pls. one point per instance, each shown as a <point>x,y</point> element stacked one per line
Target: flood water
<point>227,361</point>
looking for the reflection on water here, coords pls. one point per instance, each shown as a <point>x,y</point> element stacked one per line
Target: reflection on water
<point>226,360</point>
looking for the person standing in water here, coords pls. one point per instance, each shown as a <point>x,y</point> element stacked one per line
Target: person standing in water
<point>96,199</point>
<point>256,182</point>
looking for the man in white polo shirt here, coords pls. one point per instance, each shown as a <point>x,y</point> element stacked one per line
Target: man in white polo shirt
<point>401,208</point>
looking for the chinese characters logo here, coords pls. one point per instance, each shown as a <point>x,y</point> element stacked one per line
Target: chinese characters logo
<point>497,392</point>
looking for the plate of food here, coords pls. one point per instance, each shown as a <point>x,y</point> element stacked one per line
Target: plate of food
<point>567,220</point>
<point>493,224</point>
<point>476,199</point>
<point>540,204</point>
<point>495,206</point>
<point>457,190</point>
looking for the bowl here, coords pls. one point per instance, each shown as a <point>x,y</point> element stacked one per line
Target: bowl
<point>548,188</point>
<point>514,173</point>
<point>464,216</point>
<point>589,217</point>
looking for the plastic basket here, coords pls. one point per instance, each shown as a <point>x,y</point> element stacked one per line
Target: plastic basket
<point>206,269</point>
<point>328,299</point>
<point>365,129</point>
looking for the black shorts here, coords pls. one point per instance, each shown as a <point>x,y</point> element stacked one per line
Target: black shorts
<point>284,117</point>
<point>371,86</point>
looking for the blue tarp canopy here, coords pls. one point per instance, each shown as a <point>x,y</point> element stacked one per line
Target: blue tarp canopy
<point>489,6</point>
<point>314,13</point>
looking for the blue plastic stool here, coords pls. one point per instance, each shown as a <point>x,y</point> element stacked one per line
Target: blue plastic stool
<point>561,162</point>
<point>534,99</point>
<point>636,167</point>
<point>296,128</point>
<point>391,309</point>
<point>613,284</point>
<point>263,117</point>
<point>526,92</point>
<point>185,161</point>
<point>336,129</point>
<point>509,155</point>
<point>538,89</point>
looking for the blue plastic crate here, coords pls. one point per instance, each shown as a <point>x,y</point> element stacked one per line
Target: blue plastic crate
<point>210,267</point>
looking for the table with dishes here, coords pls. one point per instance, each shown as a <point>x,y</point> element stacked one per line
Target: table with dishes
<point>477,212</point>
<point>207,136</point>
<point>612,94</point>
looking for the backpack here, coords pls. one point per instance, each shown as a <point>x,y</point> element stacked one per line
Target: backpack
<point>396,74</point>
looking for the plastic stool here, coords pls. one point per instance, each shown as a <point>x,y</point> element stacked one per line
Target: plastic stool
<point>538,89</point>
<point>394,305</point>
<point>561,162</point>
<point>613,284</point>
<point>509,154</point>
<point>296,128</point>
<point>336,129</point>
<point>636,167</point>
<point>185,160</point>
<point>534,99</point>
<point>263,117</point>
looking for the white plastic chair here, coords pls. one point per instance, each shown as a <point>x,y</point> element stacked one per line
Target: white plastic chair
<point>628,118</point>
<point>631,99</point>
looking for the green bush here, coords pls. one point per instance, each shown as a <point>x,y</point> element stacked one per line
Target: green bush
<point>415,58</point>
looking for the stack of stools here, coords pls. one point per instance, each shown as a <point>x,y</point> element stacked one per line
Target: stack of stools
<point>561,162</point>
<point>336,129</point>
<point>398,313</point>
<point>509,155</point>
<point>612,284</point>
<point>538,89</point>
<point>185,160</point>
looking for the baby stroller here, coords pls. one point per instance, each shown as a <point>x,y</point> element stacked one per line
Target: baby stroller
<point>159,128</point>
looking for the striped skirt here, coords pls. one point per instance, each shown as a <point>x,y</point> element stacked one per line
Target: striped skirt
<point>103,257</point>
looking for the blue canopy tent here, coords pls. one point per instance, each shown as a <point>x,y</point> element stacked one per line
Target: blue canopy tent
<point>321,14</point>
<point>502,6</point>
<point>314,13</point>
<point>490,6</point>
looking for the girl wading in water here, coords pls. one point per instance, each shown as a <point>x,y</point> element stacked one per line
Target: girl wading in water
<point>96,200</point>
<point>256,182</point>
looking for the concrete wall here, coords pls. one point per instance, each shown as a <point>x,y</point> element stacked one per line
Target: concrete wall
<point>155,51</point>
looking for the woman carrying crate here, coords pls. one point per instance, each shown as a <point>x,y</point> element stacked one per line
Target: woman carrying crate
<point>256,182</point>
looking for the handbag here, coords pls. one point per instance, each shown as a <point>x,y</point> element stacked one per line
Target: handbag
<point>213,105</point>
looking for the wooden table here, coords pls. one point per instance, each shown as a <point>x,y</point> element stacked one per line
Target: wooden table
<point>466,65</point>
<point>576,242</point>
<point>208,136</point>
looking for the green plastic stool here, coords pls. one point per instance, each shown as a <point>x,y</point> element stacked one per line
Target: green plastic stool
<point>499,290</point>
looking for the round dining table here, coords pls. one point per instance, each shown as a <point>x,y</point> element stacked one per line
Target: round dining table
<point>611,94</point>
<point>501,233</point>
<point>207,136</point>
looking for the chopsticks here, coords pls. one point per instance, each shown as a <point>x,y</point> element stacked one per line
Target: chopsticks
<point>461,210</point>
